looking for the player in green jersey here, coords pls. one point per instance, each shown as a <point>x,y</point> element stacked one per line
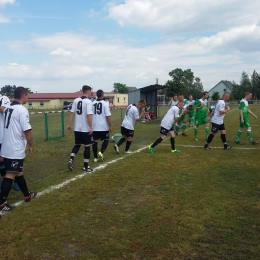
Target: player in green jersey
<point>244,119</point>
<point>201,115</point>
<point>191,113</point>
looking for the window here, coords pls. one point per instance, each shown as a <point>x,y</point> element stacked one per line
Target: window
<point>124,99</point>
<point>30,104</point>
<point>225,90</point>
<point>118,100</point>
<point>41,104</point>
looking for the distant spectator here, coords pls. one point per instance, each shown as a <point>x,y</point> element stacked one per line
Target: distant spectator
<point>110,102</point>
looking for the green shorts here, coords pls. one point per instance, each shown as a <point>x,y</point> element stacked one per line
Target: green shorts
<point>183,118</point>
<point>191,113</point>
<point>201,121</point>
<point>246,123</point>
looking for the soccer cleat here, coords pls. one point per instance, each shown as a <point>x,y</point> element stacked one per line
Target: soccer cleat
<point>95,159</point>
<point>227,147</point>
<point>237,142</point>
<point>70,164</point>
<point>128,151</point>
<point>16,186</point>
<point>184,134</point>
<point>116,149</point>
<point>87,170</point>
<point>253,143</point>
<point>196,139</point>
<point>6,207</point>
<point>207,147</point>
<point>31,196</point>
<point>175,151</point>
<point>100,156</point>
<point>151,150</point>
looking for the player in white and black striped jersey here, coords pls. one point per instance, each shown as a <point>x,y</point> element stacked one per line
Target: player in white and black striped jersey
<point>81,111</point>
<point>101,121</point>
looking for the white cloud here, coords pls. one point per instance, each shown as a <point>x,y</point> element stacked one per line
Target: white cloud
<point>185,16</point>
<point>3,3</point>
<point>4,19</point>
<point>152,59</point>
<point>60,52</point>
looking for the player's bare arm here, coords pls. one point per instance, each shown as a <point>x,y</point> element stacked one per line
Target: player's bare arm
<point>109,123</point>
<point>29,138</point>
<point>225,110</point>
<point>2,109</point>
<point>89,117</point>
<point>70,121</point>
<point>251,113</point>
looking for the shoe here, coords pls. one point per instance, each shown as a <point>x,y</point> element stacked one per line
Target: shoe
<point>253,142</point>
<point>176,134</point>
<point>95,159</point>
<point>116,149</point>
<point>100,156</point>
<point>184,134</point>
<point>128,151</point>
<point>87,170</point>
<point>151,150</point>
<point>227,147</point>
<point>71,165</point>
<point>31,196</point>
<point>237,142</point>
<point>16,186</point>
<point>196,139</point>
<point>207,147</point>
<point>175,151</point>
<point>6,207</point>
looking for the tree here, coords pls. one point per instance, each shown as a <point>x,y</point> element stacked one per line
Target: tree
<point>197,88</point>
<point>215,95</point>
<point>8,90</point>
<point>120,88</point>
<point>237,91</point>
<point>245,82</point>
<point>255,84</point>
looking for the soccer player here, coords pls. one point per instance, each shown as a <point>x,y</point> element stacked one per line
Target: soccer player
<point>127,127</point>
<point>218,122</point>
<point>17,133</point>
<point>244,119</point>
<point>111,105</point>
<point>101,121</point>
<point>82,111</point>
<point>201,115</point>
<point>167,127</point>
<point>191,102</point>
<point>173,101</point>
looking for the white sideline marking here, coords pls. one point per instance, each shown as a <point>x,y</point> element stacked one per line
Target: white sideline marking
<point>61,185</point>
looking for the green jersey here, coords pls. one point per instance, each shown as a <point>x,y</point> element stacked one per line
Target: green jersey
<point>244,107</point>
<point>203,111</point>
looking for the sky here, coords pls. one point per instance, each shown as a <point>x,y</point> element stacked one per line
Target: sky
<point>61,45</point>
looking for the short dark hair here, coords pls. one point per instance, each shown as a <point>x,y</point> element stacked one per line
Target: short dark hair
<point>19,91</point>
<point>100,92</point>
<point>204,93</point>
<point>86,88</point>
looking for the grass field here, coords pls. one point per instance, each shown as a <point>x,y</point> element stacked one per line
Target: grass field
<point>193,205</point>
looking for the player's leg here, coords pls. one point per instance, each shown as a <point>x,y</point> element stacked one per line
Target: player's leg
<point>223,137</point>
<point>96,137</point>
<point>130,136</point>
<point>196,128</point>
<point>183,126</point>
<point>239,132</point>
<point>172,140</point>
<point>75,150</point>
<point>104,137</point>
<point>163,133</point>
<point>207,130</point>
<point>214,130</point>
<point>87,140</point>
<point>122,140</point>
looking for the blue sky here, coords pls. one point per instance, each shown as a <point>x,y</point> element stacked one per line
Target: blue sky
<point>58,46</point>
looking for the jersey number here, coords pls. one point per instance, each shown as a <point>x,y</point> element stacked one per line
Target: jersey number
<point>79,108</point>
<point>8,113</point>
<point>98,108</point>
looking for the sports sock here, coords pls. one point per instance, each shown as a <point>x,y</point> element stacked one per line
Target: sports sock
<point>86,156</point>
<point>207,132</point>
<point>95,148</point>
<point>223,138</point>
<point>195,131</point>
<point>183,128</point>
<point>173,143</point>
<point>159,140</point>
<point>22,185</point>
<point>74,151</point>
<point>128,144</point>
<point>122,140</point>
<point>249,135</point>
<point>5,189</point>
<point>104,146</point>
<point>239,132</point>
<point>210,138</point>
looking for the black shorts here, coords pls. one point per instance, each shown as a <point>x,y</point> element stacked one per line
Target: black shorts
<point>215,127</point>
<point>165,131</point>
<point>127,132</point>
<point>13,165</point>
<point>102,135</point>
<point>83,138</point>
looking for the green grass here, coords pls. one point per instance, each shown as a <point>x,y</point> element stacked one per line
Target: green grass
<point>194,205</point>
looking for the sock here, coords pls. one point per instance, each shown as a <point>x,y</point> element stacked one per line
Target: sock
<point>207,132</point>
<point>195,131</point>
<point>5,189</point>
<point>74,151</point>
<point>159,140</point>
<point>223,138</point>
<point>22,185</point>
<point>104,146</point>
<point>249,135</point>
<point>173,143</point>
<point>122,140</point>
<point>239,132</point>
<point>86,156</point>
<point>183,128</point>
<point>95,148</point>
<point>128,144</point>
<point>210,138</point>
